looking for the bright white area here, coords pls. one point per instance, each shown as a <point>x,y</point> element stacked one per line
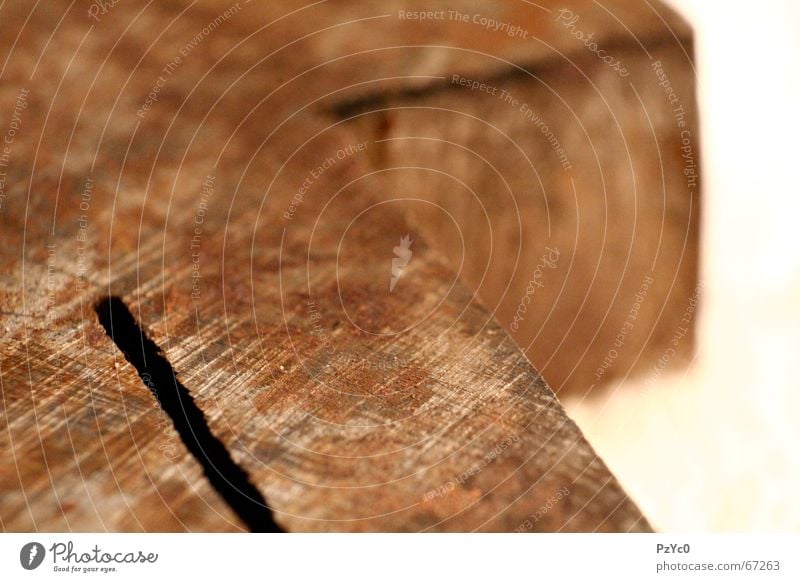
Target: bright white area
<point>716,448</point>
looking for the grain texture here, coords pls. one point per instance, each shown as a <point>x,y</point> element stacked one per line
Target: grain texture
<point>188,160</point>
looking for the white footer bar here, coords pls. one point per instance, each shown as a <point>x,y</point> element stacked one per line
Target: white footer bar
<point>387,557</point>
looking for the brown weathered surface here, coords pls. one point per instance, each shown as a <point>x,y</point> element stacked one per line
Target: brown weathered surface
<point>347,405</point>
<point>601,242</point>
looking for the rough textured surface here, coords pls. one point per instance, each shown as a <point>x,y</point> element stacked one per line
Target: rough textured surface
<point>560,195</point>
<point>351,407</point>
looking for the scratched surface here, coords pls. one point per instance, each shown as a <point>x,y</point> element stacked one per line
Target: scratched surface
<point>350,407</point>
<point>583,226</point>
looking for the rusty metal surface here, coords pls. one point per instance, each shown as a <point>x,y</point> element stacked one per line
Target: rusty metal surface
<point>351,407</point>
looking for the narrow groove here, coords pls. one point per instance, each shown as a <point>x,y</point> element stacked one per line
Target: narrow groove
<point>371,101</point>
<point>229,480</point>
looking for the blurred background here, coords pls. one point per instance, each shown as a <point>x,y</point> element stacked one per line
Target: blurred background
<point>713,446</point>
